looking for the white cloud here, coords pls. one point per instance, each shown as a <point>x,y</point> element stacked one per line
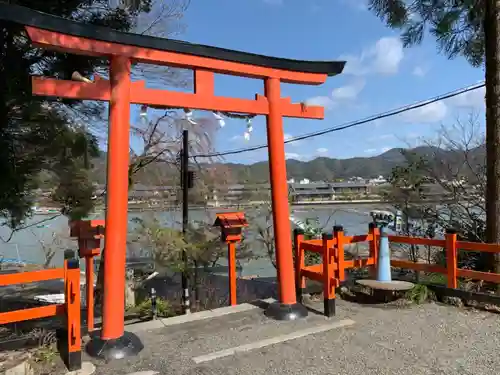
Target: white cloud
<point>343,94</point>
<point>350,91</point>
<point>471,99</point>
<point>438,111</point>
<point>376,150</point>
<point>430,113</point>
<point>294,155</point>
<point>382,137</point>
<point>356,4</point>
<point>321,151</point>
<point>382,58</point>
<point>294,143</point>
<point>323,101</point>
<point>388,53</point>
<point>420,71</point>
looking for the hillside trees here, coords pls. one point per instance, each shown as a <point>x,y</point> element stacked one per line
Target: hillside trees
<point>54,141</point>
<point>41,135</point>
<point>445,189</point>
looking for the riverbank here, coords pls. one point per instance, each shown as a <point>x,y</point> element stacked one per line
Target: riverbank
<point>134,207</point>
<point>51,232</point>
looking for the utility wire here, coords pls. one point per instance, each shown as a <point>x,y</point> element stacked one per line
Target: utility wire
<point>351,124</point>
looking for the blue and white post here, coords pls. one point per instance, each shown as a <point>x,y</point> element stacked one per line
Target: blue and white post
<point>382,220</point>
<point>384,257</point>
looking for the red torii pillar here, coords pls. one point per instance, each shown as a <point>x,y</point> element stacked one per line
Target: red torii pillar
<point>288,308</point>
<point>116,204</point>
<point>122,49</point>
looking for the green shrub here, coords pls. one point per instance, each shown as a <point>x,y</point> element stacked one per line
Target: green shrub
<point>312,229</point>
<point>164,308</point>
<point>437,278</point>
<point>419,294</point>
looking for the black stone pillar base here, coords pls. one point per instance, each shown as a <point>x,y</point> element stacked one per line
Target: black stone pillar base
<point>280,311</point>
<point>72,360</point>
<point>126,346</point>
<point>329,306</point>
<point>300,294</point>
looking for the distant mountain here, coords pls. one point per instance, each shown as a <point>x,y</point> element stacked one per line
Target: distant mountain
<point>328,169</point>
<point>319,169</point>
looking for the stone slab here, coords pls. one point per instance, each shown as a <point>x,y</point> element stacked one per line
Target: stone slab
<point>395,285</point>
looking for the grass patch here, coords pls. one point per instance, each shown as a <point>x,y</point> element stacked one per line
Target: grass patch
<point>419,294</point>
<point>45,354</point>
<point>164,309</point>
<point>437,278</point>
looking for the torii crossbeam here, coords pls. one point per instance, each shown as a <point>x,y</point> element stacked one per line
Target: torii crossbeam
<point>47,31</point>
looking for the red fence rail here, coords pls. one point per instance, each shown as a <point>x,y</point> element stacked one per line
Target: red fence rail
<point>451,246</point>
<point>69,310</point>
<point>331,272</point>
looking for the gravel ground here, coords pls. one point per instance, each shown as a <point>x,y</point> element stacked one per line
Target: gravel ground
<point>426,339</point>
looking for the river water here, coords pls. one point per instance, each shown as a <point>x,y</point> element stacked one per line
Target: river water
<point>28,245</point>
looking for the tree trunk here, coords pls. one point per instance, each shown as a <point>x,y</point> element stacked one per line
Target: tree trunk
<point>98,291</point>
<point>129,289</point>
<point>492,74</point>
<point>196,282</point>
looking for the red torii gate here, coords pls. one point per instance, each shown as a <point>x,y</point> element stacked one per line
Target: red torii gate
<point>122,49</point>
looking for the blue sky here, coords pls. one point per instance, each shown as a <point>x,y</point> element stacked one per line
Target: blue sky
<point>379,74</point>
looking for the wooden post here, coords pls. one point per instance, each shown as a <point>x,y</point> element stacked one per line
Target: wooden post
<point>338,233</point>
<point>231,225</point>
<point>231,247</point>
<point>73,324</point>
<point>186,299</point>
<point>451,258</point>
<point>300,281</point>
<point>329,283</point>
<point>374,232</point>
<point>89,292</point>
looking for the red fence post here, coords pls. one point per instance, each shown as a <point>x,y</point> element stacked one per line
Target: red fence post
<point>374,232</point>
<point>451,258</point>
<point>73,320</point>
<point>338,233</point>
<point>300,281</point>
<point>329,281</point>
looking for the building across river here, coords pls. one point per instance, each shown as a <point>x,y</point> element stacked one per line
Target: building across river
<point>304,192</point>
<point>236,194</point>
<point>299,193</point>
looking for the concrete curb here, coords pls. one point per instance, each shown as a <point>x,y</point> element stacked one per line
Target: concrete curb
<point>202,315</point>
<point>87,369</point>
<point>273,341</point>
<point>23,368</point>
